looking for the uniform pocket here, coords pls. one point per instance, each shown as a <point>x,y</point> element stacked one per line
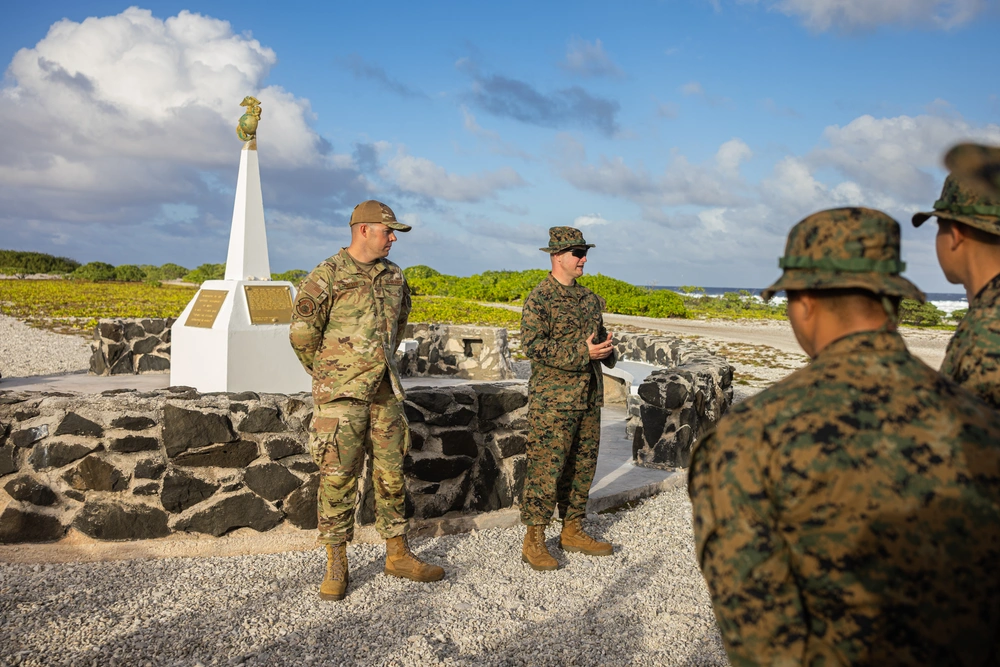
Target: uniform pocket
<point>323,443</point>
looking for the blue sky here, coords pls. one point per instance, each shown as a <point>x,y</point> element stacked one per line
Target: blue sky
<point>685,137</point>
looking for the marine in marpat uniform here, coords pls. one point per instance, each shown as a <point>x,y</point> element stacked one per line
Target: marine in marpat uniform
<point>850,514</point>
<point>968,249</point>
<point>349,316</point>
<point>563,334</point>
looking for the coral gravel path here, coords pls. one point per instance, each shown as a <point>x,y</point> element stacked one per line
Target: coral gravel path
<point>26,351</point>
<point>645,605</point>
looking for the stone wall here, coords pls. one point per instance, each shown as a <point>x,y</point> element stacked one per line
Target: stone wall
<point>677,404</point>
<point>474,353</point>
<point>129,465</point>
<point>131,346</point>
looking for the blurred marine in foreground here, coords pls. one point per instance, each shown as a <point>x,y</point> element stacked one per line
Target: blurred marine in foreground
<point>850,514</point>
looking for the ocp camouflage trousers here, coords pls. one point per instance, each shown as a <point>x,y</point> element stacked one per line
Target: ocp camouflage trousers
<point>562,457</point>
<point>343,432</point>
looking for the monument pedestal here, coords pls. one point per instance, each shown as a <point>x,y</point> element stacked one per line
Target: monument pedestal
<point>232,353</point>
<point>233,336</point>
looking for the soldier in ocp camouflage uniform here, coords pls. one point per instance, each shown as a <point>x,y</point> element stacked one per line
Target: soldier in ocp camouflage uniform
<point>968,249</point>
<point>850,514</point>
<point>563,334</point>
<point>349,316</point>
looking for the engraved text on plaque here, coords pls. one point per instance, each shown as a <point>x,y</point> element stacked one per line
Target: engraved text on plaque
<point>269,304</point>
<point>206,308</point>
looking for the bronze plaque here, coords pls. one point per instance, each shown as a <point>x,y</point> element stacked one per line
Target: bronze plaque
<point>206,308</point>
<point>269,304</point>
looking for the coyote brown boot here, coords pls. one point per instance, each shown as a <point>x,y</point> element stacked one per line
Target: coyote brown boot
<point>400,562</point>
<point>334,585</point>
<point>534,552</point>
<point>573,538</point>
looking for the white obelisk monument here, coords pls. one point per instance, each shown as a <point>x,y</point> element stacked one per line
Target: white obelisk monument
<point>233,336</point>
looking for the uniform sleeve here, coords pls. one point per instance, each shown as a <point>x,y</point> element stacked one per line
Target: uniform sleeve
<point>309,318</point>
<point>537,342</point>
<point>743,557</point>
<point>602,334</point>
<point>404,313</point>
<point>973,357</point>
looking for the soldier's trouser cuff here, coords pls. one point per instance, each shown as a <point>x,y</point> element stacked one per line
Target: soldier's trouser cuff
<point>389,532</point>
<point>334,539</point>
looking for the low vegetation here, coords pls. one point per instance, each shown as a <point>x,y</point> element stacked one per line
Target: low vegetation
<point>17,262</point>
<point>460,311</point>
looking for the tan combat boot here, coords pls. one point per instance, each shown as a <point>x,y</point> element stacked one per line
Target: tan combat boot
<point>534,552</point>
<point>573,538</point>
<point>334,586</point>
<point>400,562</point>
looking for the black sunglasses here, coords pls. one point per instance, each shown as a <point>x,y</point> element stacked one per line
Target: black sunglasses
<point>579,253</point>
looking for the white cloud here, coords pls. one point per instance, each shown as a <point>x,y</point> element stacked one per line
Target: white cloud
<point>823,15</point>
<point>692,88</point>
<point>591,220</point>
<point>668,110</point>
<point>695,89</point>
<point>422,177</point>
<point>899,155</point>
<point>589,59</point>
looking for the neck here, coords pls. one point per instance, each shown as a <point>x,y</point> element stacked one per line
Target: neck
<point>360,254</point>
<point>983,266</point>
<point>834,328</point>
<point>564,278</point>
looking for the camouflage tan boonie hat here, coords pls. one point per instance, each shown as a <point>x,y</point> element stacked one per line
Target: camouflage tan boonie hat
<point>564,238</point>
<point>977,166</point>
<point>376,211</point>
<point>962,202</point>
<point>845,248</point>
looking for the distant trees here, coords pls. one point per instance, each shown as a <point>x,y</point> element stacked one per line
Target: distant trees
<point>17,262</point>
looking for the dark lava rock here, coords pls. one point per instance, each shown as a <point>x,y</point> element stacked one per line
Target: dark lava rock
<point>303,464</point>
<point>95,474</point>
<point>187,429</point>
<point>150,362</point>
<point>24,525</point>
<point>440,469</point>
<point>413,415</point>
<point>130,423</point>
<point>147,489</point>
<point>435,401</point>
<point>29,436</point>
<point>263,420</point>
<point>29,490</point>
<point>146,345</point>
<point>497,400</point>
<point>244,396</point>
<point>111,330</point>
<point>458,443</point>
<point>151,468</point>
<point>512,444</point>
<point>225,455</point>
<point>460,417</point>
<point>124,365</point>
<point>279,448</point>
<point>134,443</point>
<point>182,490</point>
<point>486,496</point>
<point>119,520</point>
<point>74,424</point>
<point>236,511</point>
<point>8,462</point>
<point>300,507</point>
<point>271,481</point>
<point>58,454</point>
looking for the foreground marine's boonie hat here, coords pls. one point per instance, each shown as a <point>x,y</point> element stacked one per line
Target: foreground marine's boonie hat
<point>963,202</point>
<point>977,166</point>
<point>376,211</point>
<point>564,238</point>
<point>845,248</point>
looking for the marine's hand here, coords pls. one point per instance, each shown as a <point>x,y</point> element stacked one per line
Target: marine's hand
<point>599,350</point>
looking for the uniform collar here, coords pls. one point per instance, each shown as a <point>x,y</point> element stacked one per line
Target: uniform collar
<point>989,295</point>
<point>352,263</point>
<point>880,342</point>
<point>565,289</point>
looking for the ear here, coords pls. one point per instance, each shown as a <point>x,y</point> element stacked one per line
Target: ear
<point>957,235</point>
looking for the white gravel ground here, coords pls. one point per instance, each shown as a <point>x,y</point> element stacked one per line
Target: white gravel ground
<point>645,605</point>
<point>25,351</point>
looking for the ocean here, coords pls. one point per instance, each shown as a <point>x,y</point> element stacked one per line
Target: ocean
<point>946,301</point>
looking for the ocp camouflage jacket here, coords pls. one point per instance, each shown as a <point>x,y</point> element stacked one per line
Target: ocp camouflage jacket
<point>973,356</point>
<point>555,323</point>
<point>850,514</point>
<point>346,327</point>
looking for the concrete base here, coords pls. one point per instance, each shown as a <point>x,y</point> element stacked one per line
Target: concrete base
<point>235,355</point>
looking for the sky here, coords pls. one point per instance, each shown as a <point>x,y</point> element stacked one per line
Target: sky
<point>684,137</point>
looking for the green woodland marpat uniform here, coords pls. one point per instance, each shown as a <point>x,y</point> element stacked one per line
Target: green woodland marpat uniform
<point>973,198</point>
<point>566,392</point>
<point>345,329</point>
<point>973,357</point>
<point>850,514</point>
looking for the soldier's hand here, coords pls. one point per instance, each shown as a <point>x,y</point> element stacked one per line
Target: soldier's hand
<point>599,350</point>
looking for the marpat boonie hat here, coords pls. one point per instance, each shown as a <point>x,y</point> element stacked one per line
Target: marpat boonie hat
<point>978,166</point>
<point>845,248</point>
<point>376,211</point>
<point>564,238</point>
<point>963,201</point>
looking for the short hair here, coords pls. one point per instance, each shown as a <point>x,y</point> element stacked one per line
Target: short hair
<point>974,233</point>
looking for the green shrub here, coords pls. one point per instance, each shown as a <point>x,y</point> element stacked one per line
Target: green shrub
<point>920,314</point>
<point>17,261</point>
<point>292,276</point>
<point>205,272</point>
<point>171,271</point>
<point>94,272</point>
<point>959,315</point>
<point>626,299</point>
<point>129,273</point>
